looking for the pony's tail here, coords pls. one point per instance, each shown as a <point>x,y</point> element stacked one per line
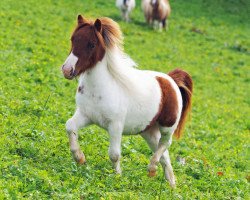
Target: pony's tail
<point>185,84</point>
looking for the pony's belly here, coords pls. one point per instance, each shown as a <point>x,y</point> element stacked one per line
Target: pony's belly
<point>134,129</point>
<point>138,120</point>
<point>137,123</point>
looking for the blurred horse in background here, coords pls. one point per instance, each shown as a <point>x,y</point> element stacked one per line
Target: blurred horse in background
<point>126,7</point>
<point>156,12</point>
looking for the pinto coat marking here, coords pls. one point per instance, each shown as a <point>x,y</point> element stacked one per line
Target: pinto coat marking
<point>169,104</point>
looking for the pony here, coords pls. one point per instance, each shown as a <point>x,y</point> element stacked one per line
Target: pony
<point>156,12</point>
<point>126,7</point>
<point>148,10</point>
<point>113,94</point>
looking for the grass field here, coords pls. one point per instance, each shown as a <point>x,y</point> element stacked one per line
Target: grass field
<point>208,38</point>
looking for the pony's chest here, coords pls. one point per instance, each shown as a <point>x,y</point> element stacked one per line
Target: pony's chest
<point>89,100</point>
<point>100,106</point>
<point>86,96</point>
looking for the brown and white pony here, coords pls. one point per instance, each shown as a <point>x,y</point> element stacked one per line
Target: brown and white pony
<point>118,97</point>
<point>156,12</point>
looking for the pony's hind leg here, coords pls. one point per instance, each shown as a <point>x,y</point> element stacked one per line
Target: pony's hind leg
<point>167,167</point>
<point>159,143</point>
<point>76,122</point>
<point>165,24</point>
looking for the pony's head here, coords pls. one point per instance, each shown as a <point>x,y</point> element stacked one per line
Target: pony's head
<point>89,42</point>
<point>154,3</point>
<point>126,2</point>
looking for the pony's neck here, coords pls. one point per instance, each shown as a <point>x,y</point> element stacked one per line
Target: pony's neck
<point>122,68</point>
<point>97,75</point>
<point>115,66</point>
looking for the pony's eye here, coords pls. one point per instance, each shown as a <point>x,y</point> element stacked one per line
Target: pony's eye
<point>91,45</point>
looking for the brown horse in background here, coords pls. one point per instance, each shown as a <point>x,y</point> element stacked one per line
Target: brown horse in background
<point>156,12</point>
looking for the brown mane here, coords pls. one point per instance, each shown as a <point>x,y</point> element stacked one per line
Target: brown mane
<point>111,32</point>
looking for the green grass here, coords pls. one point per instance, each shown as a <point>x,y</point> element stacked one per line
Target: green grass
<point>210,39</point>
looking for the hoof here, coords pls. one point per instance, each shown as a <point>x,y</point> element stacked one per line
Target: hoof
<point>172,182</point>
<point>169,175</point>
<point>152,170</point>
<point>118,171</point>
<point>79,157</point>
<point>81,161</point>
<point>151,173</point>
<point>172,185</point>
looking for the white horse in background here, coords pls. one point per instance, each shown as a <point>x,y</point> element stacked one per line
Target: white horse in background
<point>126,7</point>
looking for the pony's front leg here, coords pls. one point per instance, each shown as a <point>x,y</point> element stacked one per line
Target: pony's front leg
<point>72,126</point>
<point>160,25</point>
<point>123,15</point>
<point>115,133</point>
<point>127,16</point>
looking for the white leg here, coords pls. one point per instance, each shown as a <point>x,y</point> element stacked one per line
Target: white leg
<point>115,134</point>
<point>123,15</point>
<point>160,26</point>
<point>126,16</point>
<point>164,143</point>
<point>152,136</point>
<point>168,169</point>
<point>76,122</point>
<point>166,24</point>
<point>155,24</point>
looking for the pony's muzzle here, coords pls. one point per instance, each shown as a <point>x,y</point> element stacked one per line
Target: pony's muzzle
<point>68,72</point>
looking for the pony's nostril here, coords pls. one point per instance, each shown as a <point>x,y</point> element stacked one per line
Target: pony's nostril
<point>71,72</point>
<point>63,66</point>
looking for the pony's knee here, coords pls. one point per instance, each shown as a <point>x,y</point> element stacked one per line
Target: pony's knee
<point>166,138</point>
<point>114,156</point>
<point>169,142</point>
<point>70,126</point>
<point>163,162</point>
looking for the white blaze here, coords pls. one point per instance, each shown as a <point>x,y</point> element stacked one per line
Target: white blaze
<point>71,61</point>
<point>153,1</point>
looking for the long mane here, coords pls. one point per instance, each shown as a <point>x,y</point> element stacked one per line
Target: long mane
<point>120,65</point>
<point>111,33</point>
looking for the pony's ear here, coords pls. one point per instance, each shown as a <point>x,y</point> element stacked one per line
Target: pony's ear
<point>98,25</point>
<point>80,19</point>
